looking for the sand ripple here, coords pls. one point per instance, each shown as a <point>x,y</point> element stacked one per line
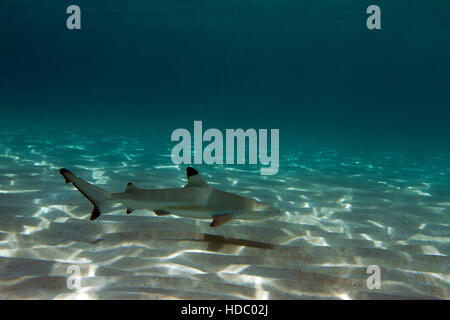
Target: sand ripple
<point>341,213</point>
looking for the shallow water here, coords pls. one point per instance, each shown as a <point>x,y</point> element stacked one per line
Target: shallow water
<point>364,147</point>
<point>340,214</point>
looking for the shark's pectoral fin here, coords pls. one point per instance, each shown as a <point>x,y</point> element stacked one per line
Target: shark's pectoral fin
<point>161,213</point>
<point>221,219</point>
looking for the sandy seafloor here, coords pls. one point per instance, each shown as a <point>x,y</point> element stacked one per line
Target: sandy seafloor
<point>341,213</point>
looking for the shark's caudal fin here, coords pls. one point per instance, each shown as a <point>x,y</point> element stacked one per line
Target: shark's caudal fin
<point>130,188</point>
<point>97,196</point>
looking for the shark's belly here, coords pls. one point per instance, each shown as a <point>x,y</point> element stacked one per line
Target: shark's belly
<point>189,202</point>
<point>199,214</point>
<point>190,209</point>
<point>200,211</point>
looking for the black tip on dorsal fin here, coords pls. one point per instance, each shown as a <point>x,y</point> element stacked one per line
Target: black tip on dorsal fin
<point>191,172</point>
<point>130,187</point>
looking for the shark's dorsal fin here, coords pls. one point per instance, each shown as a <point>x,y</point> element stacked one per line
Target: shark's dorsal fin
<point>131,187</point>
<point>195,179</point>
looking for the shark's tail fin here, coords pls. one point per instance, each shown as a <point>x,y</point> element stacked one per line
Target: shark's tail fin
<point>97,196</point>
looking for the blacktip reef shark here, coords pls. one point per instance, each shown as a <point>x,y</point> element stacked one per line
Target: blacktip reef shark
<point>196,200</point>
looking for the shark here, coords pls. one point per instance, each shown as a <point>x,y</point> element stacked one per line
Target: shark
<point>197,199</point>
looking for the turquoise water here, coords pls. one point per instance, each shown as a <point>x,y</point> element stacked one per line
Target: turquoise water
<point>364,130</point>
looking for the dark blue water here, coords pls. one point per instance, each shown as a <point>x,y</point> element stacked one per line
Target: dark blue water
<point>364,143</point>
<point>309,68</point>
